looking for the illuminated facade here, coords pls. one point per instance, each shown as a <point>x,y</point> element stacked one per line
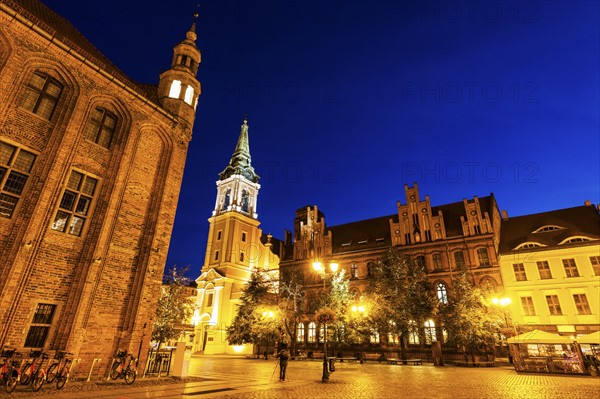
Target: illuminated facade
<point>235,246</point>
<point>91,165</point>
<point>550,265</point>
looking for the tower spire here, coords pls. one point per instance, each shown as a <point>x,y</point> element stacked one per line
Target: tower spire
<point>240,163</point>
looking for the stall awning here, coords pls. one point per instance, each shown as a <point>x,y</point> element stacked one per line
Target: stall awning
<point>593,338</point>
<point>539,337</point>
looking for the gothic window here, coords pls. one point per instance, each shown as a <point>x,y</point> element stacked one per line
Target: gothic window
<point>442,293</point>
<point>459,260</point>
<point>40,326</point>
<point>74,207</point>
<point>101,127</point>
<point>437,262</point>
<point>41,95</point>
<point>312,332</point>
<point>15,168</point>
<point>175,89</point>
<point>570,268</point>
<point>300,332</point>
<point>482,254</point>
<point>544,270</point>
<point>430,334</point>
<point>245,201</point>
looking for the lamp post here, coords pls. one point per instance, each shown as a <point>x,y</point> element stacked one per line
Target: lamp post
<point>359,311</point>
<point>503,303</point>
<point>320,268</point>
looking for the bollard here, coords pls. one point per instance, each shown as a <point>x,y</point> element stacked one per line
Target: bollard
<point>96,360</point>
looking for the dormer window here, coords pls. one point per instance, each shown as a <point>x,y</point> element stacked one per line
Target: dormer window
<point>379,239</point>
<point>529,244</point>
<point>363,242</point>
<point>547,228</point>
<point>346,244</point>
<point>574,239</point>
<point>175,90</point>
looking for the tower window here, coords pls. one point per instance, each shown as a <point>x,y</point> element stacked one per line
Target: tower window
<point>245,201</point>
<point>73,210</point>
<point>189,95</point>
<point>101,127</point>
<point>242,256</point>
<point>15,166</point>
<point>41,95</point>
<point>244,236</point>
<point>175,90</point>
<point>217,254</point>
<point>219,233</point>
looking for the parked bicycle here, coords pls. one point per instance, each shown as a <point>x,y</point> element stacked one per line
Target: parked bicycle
<point>60,369</point>
<point>9,369</point>
<point>121,368</point>
<point>32,371</point>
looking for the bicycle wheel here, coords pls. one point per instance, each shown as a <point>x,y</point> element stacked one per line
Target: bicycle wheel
<point>11,381</point>
<point>114,372</point>
<point>37,380</point>
<point>25,375</point>
<point>130,375</point>
<point>51,374</point>
<point>61,379</point>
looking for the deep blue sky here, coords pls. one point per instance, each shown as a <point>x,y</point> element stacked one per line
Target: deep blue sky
<point>349,100</point>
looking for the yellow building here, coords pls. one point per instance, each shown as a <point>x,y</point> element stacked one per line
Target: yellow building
<point>235,246</point>
<point>550,265</point>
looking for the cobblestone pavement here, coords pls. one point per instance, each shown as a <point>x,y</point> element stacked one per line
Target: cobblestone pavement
<point>229,378</point>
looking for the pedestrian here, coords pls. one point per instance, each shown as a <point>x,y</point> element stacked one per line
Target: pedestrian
<point>283,356</point>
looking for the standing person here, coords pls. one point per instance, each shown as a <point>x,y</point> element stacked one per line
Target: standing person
<point>283,361</point>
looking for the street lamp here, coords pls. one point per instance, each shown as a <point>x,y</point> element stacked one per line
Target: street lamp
<point>503,303</point>
<point>320,268</point>
<point>359,311</point>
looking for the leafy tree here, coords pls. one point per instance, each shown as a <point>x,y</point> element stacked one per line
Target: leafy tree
<point>402,294</point>
<point>174,306</point>
<point>466,318</point>
<point>256,318</point>
<point>339,300</point>
<point>291,312</point>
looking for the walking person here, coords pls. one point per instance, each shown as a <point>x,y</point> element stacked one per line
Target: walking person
<point>283,356</point>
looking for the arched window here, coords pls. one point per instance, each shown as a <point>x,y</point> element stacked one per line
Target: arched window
<point>437,262</point>
<point>175,90</point>
<point>300,332</point>
<point>321,333</point>
<point>101,127</point>
<point>227,199</point>
<point>430,335</point>
<point>245,201</point>
<point>442,292</point>
<point>413,333</point>
<point>41,95</point>
<point>374,338</point>
<point>312,332</point>
<point>189,95</point>
<point>482,254</point>
<point>392,336</point>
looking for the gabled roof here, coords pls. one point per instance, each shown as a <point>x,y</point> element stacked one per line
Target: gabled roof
<point>577,221</point>
<point>370,233</point>
<point>62,30</point>
<point>453,211</point>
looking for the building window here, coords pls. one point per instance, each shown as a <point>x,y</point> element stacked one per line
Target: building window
<point>420,260</point>
<point>570,268</point>
<point>519,270</point>
<point>595,261</point>
<point>459,259</point>
<point>101,127</point>
<point>544,270</point>
<point>75,204</point>
<point>407,238</point>
<point>189,95</point>
<point>370,269</point>
<point>175,89</point>
<point>321,333</point>
<point>15,168</point>
<point>242,256</point>
<point>312,332</point>
<point>245,201</point>
<point>442,293</point>
<point>482,254</point>
<point>219,233</point>
<point>437,262</point>
<point>217,254</point>
<point>527,306</point>
<point>300,332</point>
<point>354,270</point>
<point>40,326</point>
<point>244,236</point>
<point>209,300</point>
<point>553,305</point>
<point>582,304</point>
<point>413,335</point>
<point>430,335</point>
<point>374,339</point>
<point>41,95</point>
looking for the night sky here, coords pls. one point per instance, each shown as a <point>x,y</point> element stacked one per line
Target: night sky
<point>347,101</point>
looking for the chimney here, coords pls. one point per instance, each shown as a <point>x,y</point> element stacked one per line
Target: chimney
<point>587,203</point>
<point>504,214</point>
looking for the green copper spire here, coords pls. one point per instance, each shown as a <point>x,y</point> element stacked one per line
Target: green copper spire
<point>240,163</point>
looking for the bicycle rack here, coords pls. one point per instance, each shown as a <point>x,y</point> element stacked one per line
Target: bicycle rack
<point>96,360</point>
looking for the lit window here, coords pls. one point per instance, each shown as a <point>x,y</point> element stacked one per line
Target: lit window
<point>189,95</point>
<point>413,333</point>
<point>312,332</point>
<point>570,268</point>
<point>442,293</point>
<point>75,204</point>
<point>40,326</point>
<point>175,89</point>
<point>527,306</point>
<point>595,261</point>
<point>544,270</point>
<point>374,339</point>
<point>300,332</point>
<point>520,274</point>
<point>582,304</point>
<point>41,95</point>
<point>553,305</point>
<point>482,254</point>
<point>430,334</point>
<point>15,168</point>
<point>101,127</point>
<point>353,271</point>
